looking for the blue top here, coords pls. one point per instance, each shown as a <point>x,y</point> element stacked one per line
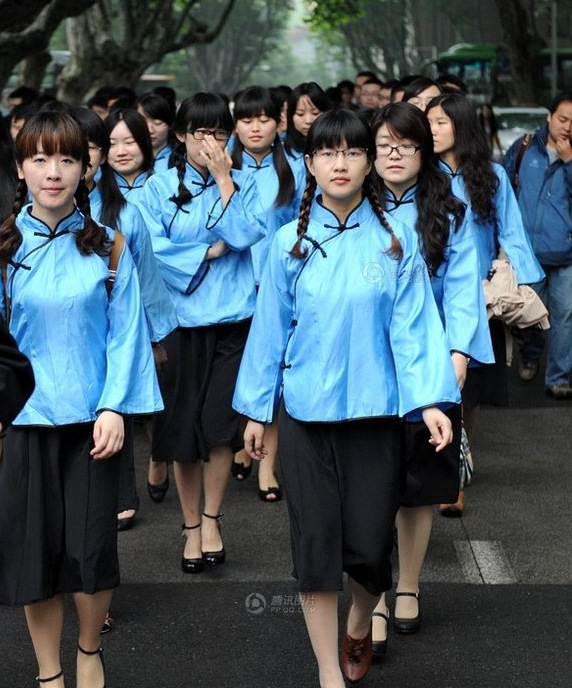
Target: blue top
<point>347,332</point>
<point>508,233</point>
<point>266,179</point>
<point>132,192</point>
<point>456,286</point>
<point>204,292</point>
<point>90,351</point>
<point>159,312</point>
<point>544,193</point>
<point>162,159</point>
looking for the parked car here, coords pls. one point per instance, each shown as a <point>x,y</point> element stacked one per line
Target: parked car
<point>513,122</point>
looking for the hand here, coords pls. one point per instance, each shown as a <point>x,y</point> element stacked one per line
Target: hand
<point>460,363</point>
<point>159,355</point>
<point>216,159</point>
<point>108,434</point>
<point>564,149</point>
<point>254,440</point>
<point>439,426</point>
<point>217,250</point>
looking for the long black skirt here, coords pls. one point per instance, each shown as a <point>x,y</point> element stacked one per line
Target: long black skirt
<point>58,515</point>
<point>197,384</point>
<point>489,384</point>
<point>343,484</point>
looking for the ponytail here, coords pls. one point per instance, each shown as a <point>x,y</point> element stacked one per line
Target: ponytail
<point>93,238</point>
<point>286,182</point>
<point>10,235</point>
<point>179,158</point>
<point>376,200</point>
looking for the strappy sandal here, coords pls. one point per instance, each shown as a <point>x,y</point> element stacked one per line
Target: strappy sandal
<point>379,647</point>
<point>99,652</point>
<point>52,678</point>
<point>218,557</point>
<point>193,565</point>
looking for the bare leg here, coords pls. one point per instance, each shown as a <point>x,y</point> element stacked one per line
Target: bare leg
<point>189,480</point>
<point>267,467</point>
<point>216,476</point>
<point>413,533</point>
<point>321,617</point>
<point>45,622</point>
<point>157,473</point>
<point>242,458</point>
<point>379,624</point>
<point>359,618</point>
<point>91,611</point>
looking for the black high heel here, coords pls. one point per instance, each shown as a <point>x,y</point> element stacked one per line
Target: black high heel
<point>158,492</point>
<point>402,625</point>
<point>379,647</point>
<point>218,557</point>
<point>195,565</point>
<point>99,652</point>
<point>52,678</point>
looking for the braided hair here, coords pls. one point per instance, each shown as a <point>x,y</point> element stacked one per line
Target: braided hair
<point>331,130</point>
<point>57,133</point>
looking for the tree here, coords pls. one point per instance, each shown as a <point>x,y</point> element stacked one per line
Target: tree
<point>117,40</point>
<point>26,27</point>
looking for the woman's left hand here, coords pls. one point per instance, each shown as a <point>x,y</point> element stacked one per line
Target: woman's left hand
<point>439,426</point>
<point>108,434</point>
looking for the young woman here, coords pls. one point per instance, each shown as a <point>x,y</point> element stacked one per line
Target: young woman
<point>346,296</point>
<point>159,115</point>
<point>259,153</point>
<point>87,340</point>
<point>203,221</point>
<point>484,187</point>
<point>419,194</point>
<point>130,152</point>
<point>421,91</point>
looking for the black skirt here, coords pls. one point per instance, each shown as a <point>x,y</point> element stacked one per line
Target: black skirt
<point>343,483</point>
<point>432,477</point>
<point>58,515</point>
<point>489,384</point>
<point>197,384</point>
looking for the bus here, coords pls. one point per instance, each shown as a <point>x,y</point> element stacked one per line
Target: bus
<point>485,68</point>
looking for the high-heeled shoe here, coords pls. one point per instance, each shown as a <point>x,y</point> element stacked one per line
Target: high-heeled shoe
<point>240,471</point>
<point>379,647</point>
<point>158,492</point>
<point>403,625</point>
<point>193,565</point>
<point>99,652</point>
<point>214,558</point>
<point>52,678</point>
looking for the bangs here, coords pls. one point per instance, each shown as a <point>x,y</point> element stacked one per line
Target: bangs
<point>156,107</point>
<point>335,128</point>
<point>93,126</point>
<point>54,133</point>
<point>255,102</point>
<point>203,111</point>
<point>405,121</point>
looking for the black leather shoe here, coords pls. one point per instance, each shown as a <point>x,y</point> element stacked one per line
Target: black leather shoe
<point>195,565</point>
<point>379,647</point>
<point>158,492</point>
<point>408,625</point>
<point>214,558</point>
<point>126,523</point>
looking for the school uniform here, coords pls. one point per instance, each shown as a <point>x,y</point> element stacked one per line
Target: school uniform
<point>16,377</point>
<point>132,190</point>
<point>162,159</point>
<point>364,328</point>
<point>434,478</point>
<point>90,352</point>
<point>489,385</point>
<point>214,301</point>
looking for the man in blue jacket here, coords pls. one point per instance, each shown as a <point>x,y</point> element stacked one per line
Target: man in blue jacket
<point>542,172</point>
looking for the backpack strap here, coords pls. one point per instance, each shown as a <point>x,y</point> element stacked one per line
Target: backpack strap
<point>116,249</point>
<point>524,143</point>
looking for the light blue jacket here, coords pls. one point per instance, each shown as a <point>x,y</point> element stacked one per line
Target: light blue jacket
<point>132,192</point>
<point>544,193</point>
<point>204,292</point>
<point>508,233</point>
<point>346,332</point>
<point>90,351</point>
<point>159,312</point>
<point>162,159</point>
<point>456,286</point>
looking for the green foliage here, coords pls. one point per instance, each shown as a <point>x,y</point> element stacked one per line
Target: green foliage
<point>329,14</point>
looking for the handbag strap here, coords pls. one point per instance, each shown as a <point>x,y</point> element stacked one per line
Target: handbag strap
<point>524,143</point>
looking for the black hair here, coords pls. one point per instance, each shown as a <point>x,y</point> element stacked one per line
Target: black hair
<point>112,200</point>
<point>200,111</point>
<point>445,81</point>
<point>168,93</point>
<point>417,86</point>
<point>331,130</point>
<point>8,174</point>
<point>472,154</point>
<point>373,80</point>
<point>365,72</point>
<point>137,125</point>
<point>158,107</point>
<point>436,204</point>
<point>295,141</point>
<point>558,99</point>
<point>23,111</point>
<point>25,93</point>
<point>120,92</point>
<point>252,103</point>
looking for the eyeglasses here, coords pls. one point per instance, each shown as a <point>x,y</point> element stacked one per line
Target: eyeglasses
<point>405,150</point>
<point>329,154</point>
<point>201,134</point>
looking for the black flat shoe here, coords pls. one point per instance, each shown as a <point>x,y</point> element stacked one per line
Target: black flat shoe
<point>214,558</point>
<point>126,523</point>
<point>195,565</point>
<point>158,492</point>
<point>379,647</point>
<point>408,625</point>
<point>240,471</point>
<point>95,652</point>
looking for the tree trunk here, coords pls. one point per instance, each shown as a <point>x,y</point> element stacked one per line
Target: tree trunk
<point>35,68</point>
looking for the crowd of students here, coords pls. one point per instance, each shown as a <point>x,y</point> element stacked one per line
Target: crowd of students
<point>295,277</point>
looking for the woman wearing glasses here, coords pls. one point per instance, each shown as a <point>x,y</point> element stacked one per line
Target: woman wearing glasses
<point>419,194</point>
<point>347,299</point>
<point>203,220</point>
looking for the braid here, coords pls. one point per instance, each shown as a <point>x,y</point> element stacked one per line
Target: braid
<point>296,250</point>
<point>286,181</point>
<point>377,203</point>
<point>10,236</point>
<point>93,238</point>
<point>180,162</point>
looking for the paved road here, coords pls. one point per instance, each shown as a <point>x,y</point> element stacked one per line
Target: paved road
<point>496,599</point>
